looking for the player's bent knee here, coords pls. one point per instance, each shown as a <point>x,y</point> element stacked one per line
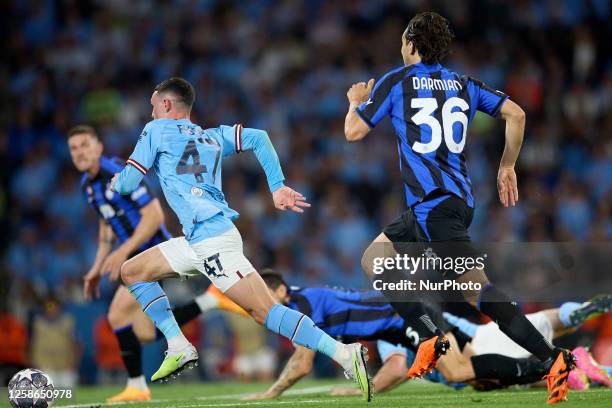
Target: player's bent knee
<point>129,274</point>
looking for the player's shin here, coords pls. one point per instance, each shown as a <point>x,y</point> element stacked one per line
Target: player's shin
<point>419,326</point>
<point>508,370</point>
<point>154,303</point>
<point>514,324</point>
<point>131,351</point>
<point>301,330</point>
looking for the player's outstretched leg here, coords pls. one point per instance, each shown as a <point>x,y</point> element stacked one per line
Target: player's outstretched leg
<point>574,314</point>
<point>141,274</point>
<point>495,304</point>
<point>251,293</point>
<point>421,331</point>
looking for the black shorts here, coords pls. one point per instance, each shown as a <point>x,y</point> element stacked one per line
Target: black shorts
<point>439,225</point>
<point>441,217</point>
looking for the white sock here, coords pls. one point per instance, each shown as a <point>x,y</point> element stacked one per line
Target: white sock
<point>342,356</point>
<point>206,302</point>
<point>138,382</point>
<point>178,342</point>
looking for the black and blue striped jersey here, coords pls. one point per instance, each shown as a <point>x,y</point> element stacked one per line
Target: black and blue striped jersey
<point>430,108</point>
<point>122,213</point>
<point>346,314</point>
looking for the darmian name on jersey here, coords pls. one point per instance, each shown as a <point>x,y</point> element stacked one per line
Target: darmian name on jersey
<point>436,84</point>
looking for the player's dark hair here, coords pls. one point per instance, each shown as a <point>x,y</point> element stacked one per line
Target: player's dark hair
<point>80,129</point>
<point>180,88</point>
<point>272,279</point>
<point>431,36</point>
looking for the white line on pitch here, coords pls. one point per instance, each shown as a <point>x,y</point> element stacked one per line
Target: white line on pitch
<point>301,391</point>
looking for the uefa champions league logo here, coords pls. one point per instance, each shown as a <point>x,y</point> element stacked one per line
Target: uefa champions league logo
<point>31,388</point>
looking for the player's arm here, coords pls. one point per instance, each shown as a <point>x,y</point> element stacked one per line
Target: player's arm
<point>260,144</point>
<point>391,374</point>
<point>515,130</point>
<point>356,125</point>
<point>497,104</point>
<point>105,246</point>
<point>140,161</point>
<point>151,219</point>
<point>298,366</point>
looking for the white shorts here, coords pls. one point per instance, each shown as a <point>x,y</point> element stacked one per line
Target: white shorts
<point>489,339</point>
<point>219,258</point>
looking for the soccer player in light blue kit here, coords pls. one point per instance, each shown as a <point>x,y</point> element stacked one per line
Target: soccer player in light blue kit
<point>187,160</point>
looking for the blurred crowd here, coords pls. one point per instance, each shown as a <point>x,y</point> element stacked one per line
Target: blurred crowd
<point>285,66</point>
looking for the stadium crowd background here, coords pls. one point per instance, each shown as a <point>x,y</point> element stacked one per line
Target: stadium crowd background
<point>285,66</point>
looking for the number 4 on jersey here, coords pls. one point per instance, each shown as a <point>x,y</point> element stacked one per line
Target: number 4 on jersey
<point>197,169</point>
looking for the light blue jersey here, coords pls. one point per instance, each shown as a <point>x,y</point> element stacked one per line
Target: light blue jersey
<point>187,160</point>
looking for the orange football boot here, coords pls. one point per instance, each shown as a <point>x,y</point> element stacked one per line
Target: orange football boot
<point>224,303</point>
<point>427,356</point>
<point>131,394</point>
<point>557,377</point>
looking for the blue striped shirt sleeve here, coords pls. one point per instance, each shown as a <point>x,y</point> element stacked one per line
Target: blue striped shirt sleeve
<point>378,105</point>
<point>142,196</point>
<point>489,99</point>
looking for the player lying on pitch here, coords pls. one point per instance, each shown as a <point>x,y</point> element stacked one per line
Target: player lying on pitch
<point>488,339</point>
<point>187,160</point>
<point>136,221</point>
<point>431,108</point>
<point>355,316</point>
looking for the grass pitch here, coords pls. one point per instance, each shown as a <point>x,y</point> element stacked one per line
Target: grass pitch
<point>316,394</point>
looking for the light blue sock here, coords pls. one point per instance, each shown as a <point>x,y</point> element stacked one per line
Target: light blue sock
<point>300,329</point>
<point>154,303</point>
<point>565,310</point>
<point>467,327</point>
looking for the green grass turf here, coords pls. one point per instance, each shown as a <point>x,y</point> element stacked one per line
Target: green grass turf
<point>315,394</point>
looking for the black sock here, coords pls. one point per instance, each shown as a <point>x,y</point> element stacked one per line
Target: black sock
<point>183,314</point>
<point>508,370</point>
<point>461,337</point>
<point>186,313</point>
<point>418,324</point>
<point>131,351</point>
<point>513,323</point>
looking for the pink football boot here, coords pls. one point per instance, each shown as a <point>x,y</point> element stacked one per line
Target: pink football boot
<point>578,380</point>
<point>586,363</point>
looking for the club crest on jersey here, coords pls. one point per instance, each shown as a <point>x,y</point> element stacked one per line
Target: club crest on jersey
<point>196,191</point>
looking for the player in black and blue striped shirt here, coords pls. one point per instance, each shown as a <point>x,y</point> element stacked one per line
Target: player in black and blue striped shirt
<point>430,108</point>
<point>357,316</point>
